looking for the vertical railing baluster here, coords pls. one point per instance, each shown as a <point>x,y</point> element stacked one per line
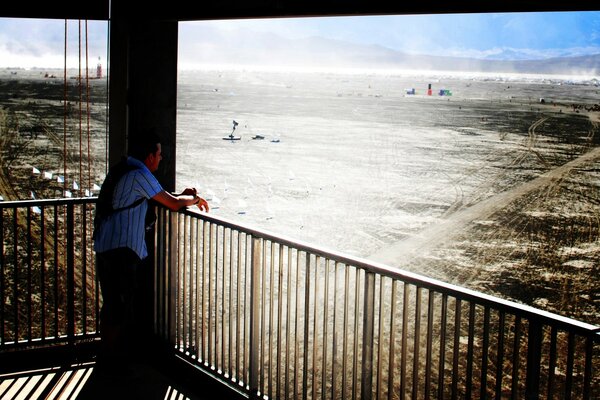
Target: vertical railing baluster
<point>193,313</point>
<point>288,324</point>
<point>534,359</point>
<point>2,279</point>
<point>366,387</point>
<point>404,353</point>
<point>471,338</point>
<point>428,362</point>
<point>297,328</point>
<point>271,322</point>
<point>231,304</point>
<point>334,353</point>
<point>355,368</point>
<point>570,365</point>
<point>392,352</point>
<point>315,330</point>
<point>263,317</point>
<point>205,288</point>
<point>172,264</point>
<point>442,358</point>
<point>552,363</point>
<point>182,339</point>
<point>16,290</point>
<point>160,295</point>
<point>279,322</point>
<point>84,302</point>
<point>245,308</point>
<point>324,350</point>
<point>96,293</point>
<point>56,275</point>
<point>199,285</point>
<point>239,313</point>
<point>29,278</point>
<point>485,353</point>
<point>255,289</point>
<point>417,344</point>
<point>346,325</point>
<point>456,347</point>
<point>380,344</point>
<point>156,318</point>
<point>305,369</point>
<point>500,355</point>
<point>42,272</point>
<point>587,372</point>
<point>516,361</point>
<point>223,299</point>
<point>211,296</point>
<point>70,247</point>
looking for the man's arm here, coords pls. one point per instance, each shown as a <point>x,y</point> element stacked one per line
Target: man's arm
<point>177,202</point>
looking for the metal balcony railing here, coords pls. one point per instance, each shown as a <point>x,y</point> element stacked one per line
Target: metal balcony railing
<point>282,319</point>
<point>276,318</point>
<point>48,284</point>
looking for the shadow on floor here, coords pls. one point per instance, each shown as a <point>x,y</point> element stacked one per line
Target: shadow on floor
<point>85,381</point>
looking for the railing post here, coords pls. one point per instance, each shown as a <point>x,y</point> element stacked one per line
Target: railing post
<point>2,273</point>
<point>70,272</point>
<point>366,387</point>
<point>534,359</point>
<point>255,268</point>
<point>172,269</point>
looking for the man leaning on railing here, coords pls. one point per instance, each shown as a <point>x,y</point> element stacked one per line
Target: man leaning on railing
<point>119,241</point>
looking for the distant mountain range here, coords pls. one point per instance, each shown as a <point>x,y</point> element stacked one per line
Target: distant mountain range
<point>254,48</point>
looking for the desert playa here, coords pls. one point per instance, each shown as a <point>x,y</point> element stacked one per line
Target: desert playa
<point>486,186</point>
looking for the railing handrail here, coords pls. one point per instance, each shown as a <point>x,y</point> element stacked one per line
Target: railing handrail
<point>47,202</point>
<point>462,293</point>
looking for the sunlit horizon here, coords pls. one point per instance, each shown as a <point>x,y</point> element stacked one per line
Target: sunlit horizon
<point>317,42</point>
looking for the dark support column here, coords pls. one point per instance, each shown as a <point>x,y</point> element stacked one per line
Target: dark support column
<point>143,87</point>
<point>153,88</point>
<point>143,95</point>
<point>117,76</point>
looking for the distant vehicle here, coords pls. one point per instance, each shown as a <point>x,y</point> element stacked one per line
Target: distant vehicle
<point>255,137</point>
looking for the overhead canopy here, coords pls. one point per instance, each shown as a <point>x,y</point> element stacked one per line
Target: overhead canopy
<point>185,10</point>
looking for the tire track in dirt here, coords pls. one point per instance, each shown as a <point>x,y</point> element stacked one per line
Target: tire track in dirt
<point>440,234</point>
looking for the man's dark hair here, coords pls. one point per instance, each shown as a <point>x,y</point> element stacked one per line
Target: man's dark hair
<point>143,144</point>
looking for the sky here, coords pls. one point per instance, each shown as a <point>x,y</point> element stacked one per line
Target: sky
<point>32,42</point>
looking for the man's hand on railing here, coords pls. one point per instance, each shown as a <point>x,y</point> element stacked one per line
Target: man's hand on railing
<point>188,197</point>
<point>199,201</point>
<point>202,204</point>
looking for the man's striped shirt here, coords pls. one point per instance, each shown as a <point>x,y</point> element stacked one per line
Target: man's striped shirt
<point>126,228</point>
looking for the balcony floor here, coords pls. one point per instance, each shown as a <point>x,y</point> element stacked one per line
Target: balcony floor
<point>70,372</point>
<point>85,381</point>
